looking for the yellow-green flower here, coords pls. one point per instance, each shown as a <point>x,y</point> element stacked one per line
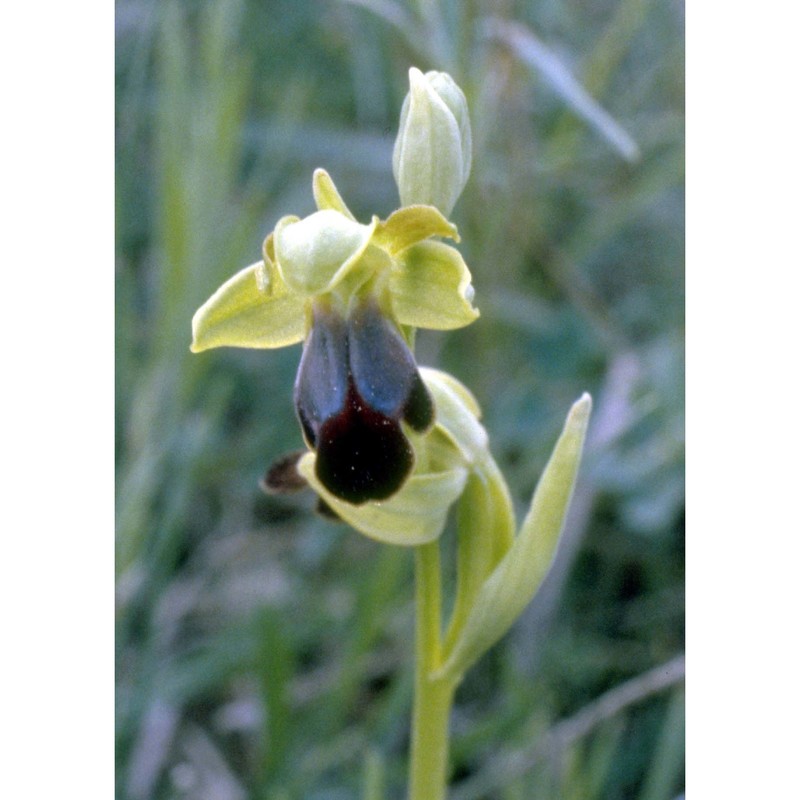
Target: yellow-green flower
<point>354,293</point>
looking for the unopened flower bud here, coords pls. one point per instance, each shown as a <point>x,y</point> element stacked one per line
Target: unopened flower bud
<point>433,151</point>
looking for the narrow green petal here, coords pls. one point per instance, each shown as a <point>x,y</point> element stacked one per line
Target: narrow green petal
<point>240,314</point>
<point>415,515</point>
<point>517,578</point>
<point>327,196</point>
<point>317,252</point>
<point>431,288</point>
<point>268,278</point>
<point>413,224</point>
<point>268,249</point>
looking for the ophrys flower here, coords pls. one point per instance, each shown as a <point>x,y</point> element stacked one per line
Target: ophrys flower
<point>355,293</point>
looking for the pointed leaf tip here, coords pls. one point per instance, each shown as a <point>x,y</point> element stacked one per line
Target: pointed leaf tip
<point>517,578</point>
<point>581,410</point>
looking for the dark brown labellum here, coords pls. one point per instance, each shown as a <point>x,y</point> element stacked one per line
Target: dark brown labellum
<point>356,381</point>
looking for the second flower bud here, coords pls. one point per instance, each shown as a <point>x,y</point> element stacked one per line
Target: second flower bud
<point>433,151</point>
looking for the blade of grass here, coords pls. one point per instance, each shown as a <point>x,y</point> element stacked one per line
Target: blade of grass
<point>536,55</point>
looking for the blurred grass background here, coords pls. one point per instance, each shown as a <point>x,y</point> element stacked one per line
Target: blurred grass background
<point>263,652</point>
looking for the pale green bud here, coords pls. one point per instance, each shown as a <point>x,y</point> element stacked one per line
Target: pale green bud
<point>433,151</point>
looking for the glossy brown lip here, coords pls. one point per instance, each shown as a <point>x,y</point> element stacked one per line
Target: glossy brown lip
<point>357,380</point>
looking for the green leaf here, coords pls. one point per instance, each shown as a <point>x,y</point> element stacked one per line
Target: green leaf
<point>432,288</point>
<point>413,224</point>
<point>415,515</point>
<point>516,579</point>
<point>240,314</point>
<point>327,196</point>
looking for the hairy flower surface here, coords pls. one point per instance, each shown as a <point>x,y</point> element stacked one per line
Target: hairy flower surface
<point>357,380</point>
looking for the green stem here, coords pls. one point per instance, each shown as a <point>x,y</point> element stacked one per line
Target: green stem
<point>432,699</point>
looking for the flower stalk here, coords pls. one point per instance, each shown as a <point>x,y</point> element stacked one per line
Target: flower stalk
<point>433,698</point>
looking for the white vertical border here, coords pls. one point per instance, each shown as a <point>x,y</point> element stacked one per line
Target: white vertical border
<point>56,334</point>
<point>743,556</point>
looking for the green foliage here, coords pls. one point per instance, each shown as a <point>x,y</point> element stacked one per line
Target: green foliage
<point>513,583</point>
<point>265,651</point>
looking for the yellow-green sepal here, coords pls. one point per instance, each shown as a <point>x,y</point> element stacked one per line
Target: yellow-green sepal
<point>518,576</point>
<point>457,414</point>
<point>412,224</point>
<point>315,253</point>
<point>242,314</point>
<point>327,196</point>
<point>415,515</point>
<point>431,287</point>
